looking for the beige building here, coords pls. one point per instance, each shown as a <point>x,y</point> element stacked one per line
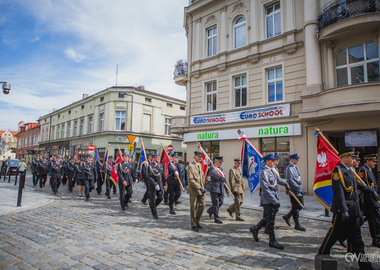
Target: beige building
<point>107,117</point>
<point>8,142</point>
<point>278,69</point>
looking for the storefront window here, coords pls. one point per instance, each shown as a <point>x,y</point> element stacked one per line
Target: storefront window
<point>280,145</point>
<point>211,148</point>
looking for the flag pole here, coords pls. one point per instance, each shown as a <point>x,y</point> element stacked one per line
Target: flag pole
<point>105,165</point>
<point>212,164</point>
<point>179,180</point>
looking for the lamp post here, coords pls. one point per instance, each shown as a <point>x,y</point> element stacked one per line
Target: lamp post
<point>6,88</point>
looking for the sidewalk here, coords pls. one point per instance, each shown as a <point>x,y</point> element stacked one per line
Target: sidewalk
<point>31,198</point>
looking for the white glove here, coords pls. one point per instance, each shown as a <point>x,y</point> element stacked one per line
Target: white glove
<point>157,187</point>
<point>176,173</point>
<point>137,180</point>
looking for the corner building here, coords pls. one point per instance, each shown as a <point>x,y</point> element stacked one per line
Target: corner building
<point>278,69</point>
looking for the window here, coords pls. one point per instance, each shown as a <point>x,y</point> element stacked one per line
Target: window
<point>211,148</point>
<point>359,65</point>
<point>273,20</point>
<point>211,96</point>
<point>68,130</point>
<point>169,105</point>
<point>212,35</point>
<point>42,134</point>
<point>182,108</point>
<point>146,123</point>
<point>101,122</point>
<point>62,131</point>
<point>148,100</point>
<point>168,125</point>
<point>240,90</point>
<point>90,119</point>
<point>121,95</point>
<point>280,145</point>
<point>57,134</point>
<point>120,120</point>
<point>75,127</point>
<point>52,132</point>
<point>69,113</point>
<point>240,31</point>
<point>101,99</point>
<point>275,91</point>
<point>82,107</point>
<point>81,126</point>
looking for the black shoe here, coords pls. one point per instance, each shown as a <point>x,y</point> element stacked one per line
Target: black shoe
<point>287,220</point>
<point>299,228</point>
<point>195,229</point>
<point>255,233</point>
<point>218,221</point>
<point>229,212</point>
<point>172,212</point>
<point>123,208</point>
<point>375,244</point>
<point>341,242</point>
<point>266,232</point>
<point>166,203</point>
<point>87,198</point>
<point>239,219</point>
<point>210,214</point>
<point>177,202</point>
<point>199,226</point>
<point>114,192</point>
<point>275,244</point>
<point>144,203</point>
<point>155,216</point>
<point>108,196</point>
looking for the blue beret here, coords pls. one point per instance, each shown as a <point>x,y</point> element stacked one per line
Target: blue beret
<point>269,156</point>
<point>276,155</point>
<point>174,155</point>
<point>89,155</point>
<point>296,155</point>
<point>124,155</point>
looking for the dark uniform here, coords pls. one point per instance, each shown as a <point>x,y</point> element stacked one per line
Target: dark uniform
<point>294,180</point>
<point>34,169</point>
<point>91,175</point>
<point>108,168</point>
<point>56,172</point>
<point>43,170</point>
<point>65,171</point>
<point>125,192</point>
<point>347,215</point>
<point>80,176</point>
<point>144,178</point>
<point>100,177</point>
<point>155,187</point>
<point>269,199</point>
<point>371,206</point>
<point>216,191</point>
<point>174,188</point>
<point>70,167</point>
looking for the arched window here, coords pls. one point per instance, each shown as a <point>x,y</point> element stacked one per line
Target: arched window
<point>240,32</point>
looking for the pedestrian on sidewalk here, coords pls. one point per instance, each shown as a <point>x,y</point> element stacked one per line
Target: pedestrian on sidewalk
<point>238,186</point>
<point>34,169</point>
<point>22,170</point>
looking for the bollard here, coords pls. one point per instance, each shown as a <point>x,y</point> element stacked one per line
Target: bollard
<point>20,188</point>
<point>16,177</point>
<point>327,214</point>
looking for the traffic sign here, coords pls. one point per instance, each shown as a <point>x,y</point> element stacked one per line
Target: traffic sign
<point>131,138</point>
<point>170,148</point>
<point>91,147</point>
<point>130,147</point>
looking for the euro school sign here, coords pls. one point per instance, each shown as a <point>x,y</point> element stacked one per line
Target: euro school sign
<point>282,110</point>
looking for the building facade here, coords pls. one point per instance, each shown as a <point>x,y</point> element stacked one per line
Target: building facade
<point>8,141</point>
<point>107,117</point>
<point>28,138</point>
<point>278,69</point>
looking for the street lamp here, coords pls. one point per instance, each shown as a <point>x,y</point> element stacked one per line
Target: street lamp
<point>6,88</point>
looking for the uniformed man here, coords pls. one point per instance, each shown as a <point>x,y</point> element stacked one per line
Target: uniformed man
<point>56,174</point>
<point>43,170</point>
<point>357,161</point>
<point>294,180</point>
<point>91,175</point>
<point>217,179</point>
<point>347,216</point>
<point>108,168</point>
<point>144,176</point>
<point>70,167</point>
<point>155,185</point>
<point>196,191</point>
<point>371,206</point>
<point>125,181</point>
<point>100,178</point>
<point>269,200</point>
<point>34,169</point>
<point>65,171</point>
<point>80,176</point>
<point>238,186</point>
<point>174,188</point>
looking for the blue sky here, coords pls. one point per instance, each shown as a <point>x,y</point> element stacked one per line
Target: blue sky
<point>53,51</point>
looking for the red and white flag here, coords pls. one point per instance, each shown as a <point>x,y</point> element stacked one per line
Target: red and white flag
<point>114,176</point>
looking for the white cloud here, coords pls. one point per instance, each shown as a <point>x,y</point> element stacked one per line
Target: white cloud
<point>71,54</point>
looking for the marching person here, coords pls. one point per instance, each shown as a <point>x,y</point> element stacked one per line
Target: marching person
<point>347,216</point>
<point>65,171</point>
<point>371,205</point>
<point>217,179</point>
<point>125,181</point>
<point>269,199</point>
<point>144,178</point>
<point>294,180</point>
<point>196,191</point>
<point>108,167</point>
<point>100,178</point>
<point>237,184</point>
<point>56,174</point>
<point>80,176</point>
<point>154,183</point>
<point>70,167</point>
<point>34,169</point>
<point>174,188</point>
<point>91,175</point>
<point>43,170</point>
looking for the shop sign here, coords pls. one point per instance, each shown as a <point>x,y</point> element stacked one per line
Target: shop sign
<point>361,138</point>
<point>254,132</point>
<point>276,111</point>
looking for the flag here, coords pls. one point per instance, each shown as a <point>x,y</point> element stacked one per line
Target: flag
<point>142,157</point>
<point>105,158</point>
<point>165,160</point>
<point>114,176</point>
<point>97,160</point>
<point>326,162</point>
<point>251,164</point>
<point>204,162</point>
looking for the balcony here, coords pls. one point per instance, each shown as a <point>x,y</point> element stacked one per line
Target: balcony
<point>180,72</point>
<point>178,125</point>
<point>348,16</point>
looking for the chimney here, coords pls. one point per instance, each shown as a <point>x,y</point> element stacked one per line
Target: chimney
<point>142,87</point>
<point>85,96</point>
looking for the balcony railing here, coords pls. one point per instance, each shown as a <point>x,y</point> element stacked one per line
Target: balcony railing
<point>344,9</point>
<point>180,68</point>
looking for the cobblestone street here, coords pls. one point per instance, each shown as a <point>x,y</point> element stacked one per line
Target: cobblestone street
<point>72,233</point>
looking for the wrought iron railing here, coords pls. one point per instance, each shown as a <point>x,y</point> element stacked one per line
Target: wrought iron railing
<point>344,9</point>
<point>180,68</point>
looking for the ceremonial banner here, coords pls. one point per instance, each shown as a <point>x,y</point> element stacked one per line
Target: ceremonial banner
<point>114,176</point>
<point>251,164</point>
<point>326,162</point>
<point>143,158</point>
<point>165,160</point>
<point>97,159</point>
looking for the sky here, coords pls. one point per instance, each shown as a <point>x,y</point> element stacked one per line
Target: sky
<point>53,51</point>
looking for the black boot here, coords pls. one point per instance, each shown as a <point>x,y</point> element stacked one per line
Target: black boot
<point>255,233</point>
<point>172,210</point>
<point>298,226</point>
<point>273,242</point>
<point>287,218</point>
